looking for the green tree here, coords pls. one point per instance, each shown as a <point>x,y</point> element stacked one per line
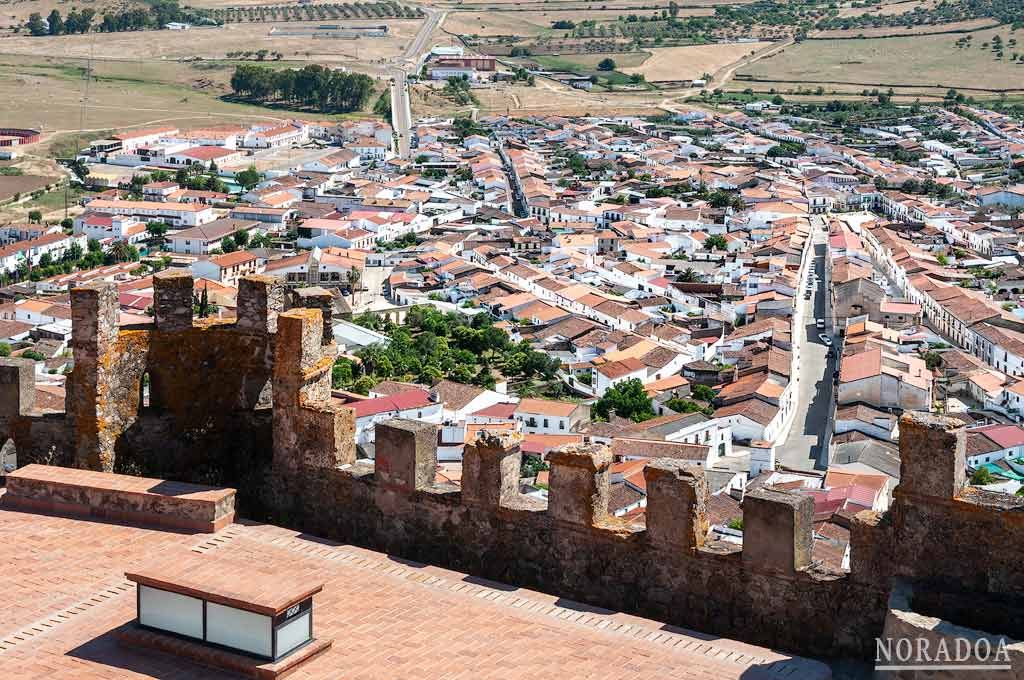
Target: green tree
<point>703,392</point>
<point>627,399</point>
<point>606,64</point>
<point>249,177</point>
<point>363,385</point>
<point>35,24</point>
<point>342,373</point>
<point>5,349</point>
<point>982,476</point>
<point>35,216</point>
<point>157,229</point>
<point>687,406</point>
<point>241,238</point>
<point>228,244</point>
<point>715,242</point>
<point>720,199</point>
<point>56,23</point>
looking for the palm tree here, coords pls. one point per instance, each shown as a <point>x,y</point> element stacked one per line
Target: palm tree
<point>353,279</point>
<point>122,251</point>
<point>689,276</point>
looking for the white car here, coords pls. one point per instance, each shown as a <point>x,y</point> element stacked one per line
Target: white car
<point>825,339</point>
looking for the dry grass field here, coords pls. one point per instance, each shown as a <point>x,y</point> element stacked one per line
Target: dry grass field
<point>687,63</point>
<point>928,60</point>
<point>624,6</point>
<point>215,43</point>
<point>528,23</point>
<point>16,12</point>
<point>546,97</point>
<point>888,9</point>
<point>122,94</point>
<point>971,25</point>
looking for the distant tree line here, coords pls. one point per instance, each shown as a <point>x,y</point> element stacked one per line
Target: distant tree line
<point>156,14</point>
<point>55,24</point>
<point>313,86</point>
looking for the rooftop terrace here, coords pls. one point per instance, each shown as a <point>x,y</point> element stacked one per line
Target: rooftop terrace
<point>66,596</point>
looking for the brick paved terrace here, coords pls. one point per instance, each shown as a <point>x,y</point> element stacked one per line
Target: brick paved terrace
<point>65,595</point>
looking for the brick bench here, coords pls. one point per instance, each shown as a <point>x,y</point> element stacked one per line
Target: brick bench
<point>120,498</point>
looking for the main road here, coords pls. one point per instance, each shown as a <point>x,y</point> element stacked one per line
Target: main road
<point>806,446</point>
<point>410,63</point>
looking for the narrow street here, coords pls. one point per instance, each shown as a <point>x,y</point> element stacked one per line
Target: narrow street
<point>371,296</point>
<point>806,446</point>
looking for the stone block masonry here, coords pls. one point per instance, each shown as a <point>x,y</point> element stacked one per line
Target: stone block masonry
<point>258,391</point>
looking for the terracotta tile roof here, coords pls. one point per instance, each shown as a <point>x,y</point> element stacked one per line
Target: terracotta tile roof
<point>547,407</point>
<point>756,410</point>
<point>456,395</point>
<point>401,401</point>
<point>652,448</point>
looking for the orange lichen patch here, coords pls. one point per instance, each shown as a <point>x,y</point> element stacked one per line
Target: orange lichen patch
<point>322,366</point>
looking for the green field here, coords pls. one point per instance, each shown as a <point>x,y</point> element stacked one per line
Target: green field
<point>586,64</point>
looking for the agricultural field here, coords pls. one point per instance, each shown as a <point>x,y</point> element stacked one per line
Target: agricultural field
<point>217,42</point>
<point>121,94</point>
<point>588,65</point>
<point>888,31</point>
<point>546,97</point>
<point>491,23</point>
<point>313,12</point>
<point>588,62</point>
<point>923,61</point>
<point>693,61</point>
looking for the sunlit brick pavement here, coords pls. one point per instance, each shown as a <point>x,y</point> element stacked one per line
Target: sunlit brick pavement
<point>65,591</point>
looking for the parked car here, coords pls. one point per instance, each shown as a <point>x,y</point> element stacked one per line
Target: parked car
<point>825,339</point>
<point>820,324</point>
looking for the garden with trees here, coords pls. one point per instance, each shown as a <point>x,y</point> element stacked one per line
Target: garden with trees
<point>432,345</point>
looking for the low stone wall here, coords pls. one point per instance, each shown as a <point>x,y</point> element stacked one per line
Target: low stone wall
<point>136,500</point>
<point>572,546</point>
<point>914,646</point>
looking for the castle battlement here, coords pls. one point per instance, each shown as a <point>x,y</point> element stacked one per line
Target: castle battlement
<point>249,404</point>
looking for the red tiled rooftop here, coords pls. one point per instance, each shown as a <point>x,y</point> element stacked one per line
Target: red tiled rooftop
<point>400,401</point>
<point>65,595</point>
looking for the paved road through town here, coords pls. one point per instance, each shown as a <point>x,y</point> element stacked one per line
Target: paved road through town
<point>411,62</point>
<point>806,446</point>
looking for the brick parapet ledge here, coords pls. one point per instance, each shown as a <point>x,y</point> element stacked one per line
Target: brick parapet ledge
<point>320,299</point>
<point>17,388</point>
<point>933,455</point>
<point>579,479</point>
<point>121,498</point>
<point>677,497</point>
<point>260,300</point>
<point>491,469</point>
<point>309,430</point>
<point>172,300</point>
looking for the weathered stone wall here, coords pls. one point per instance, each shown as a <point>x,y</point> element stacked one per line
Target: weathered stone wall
<point>929,635</point>
<point>248,404</point>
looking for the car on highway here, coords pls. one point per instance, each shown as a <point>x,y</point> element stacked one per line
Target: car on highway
<point>825,339</point>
